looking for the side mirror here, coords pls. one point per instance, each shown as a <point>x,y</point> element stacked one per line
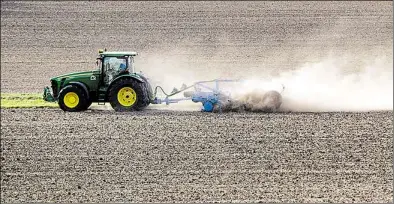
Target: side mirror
<point>97,61</point>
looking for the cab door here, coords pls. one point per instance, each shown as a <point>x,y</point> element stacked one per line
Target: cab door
<point>112,68</point>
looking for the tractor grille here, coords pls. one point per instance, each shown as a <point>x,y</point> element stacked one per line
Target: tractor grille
<point>54,88</point>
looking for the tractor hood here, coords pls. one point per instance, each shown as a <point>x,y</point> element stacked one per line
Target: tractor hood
<point>74,74</point>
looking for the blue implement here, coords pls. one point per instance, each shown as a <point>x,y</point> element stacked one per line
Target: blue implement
<point>203,93</point>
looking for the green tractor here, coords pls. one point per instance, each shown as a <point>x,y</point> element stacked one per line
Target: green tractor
<point>114,81</point>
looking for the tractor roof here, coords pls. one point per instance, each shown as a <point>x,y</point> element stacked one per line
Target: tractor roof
<point>118,54</point>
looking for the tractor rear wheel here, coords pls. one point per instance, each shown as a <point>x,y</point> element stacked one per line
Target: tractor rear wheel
<point>147,87</point>
<point>128,95</point>
<point>72,99</point>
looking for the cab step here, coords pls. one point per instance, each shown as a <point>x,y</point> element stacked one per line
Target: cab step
<point>101,96</point>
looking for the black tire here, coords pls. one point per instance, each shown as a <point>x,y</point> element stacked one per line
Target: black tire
<point>88,104</point>
<point>148,88</point>
<point>82,97</point>
<point>142,98</point>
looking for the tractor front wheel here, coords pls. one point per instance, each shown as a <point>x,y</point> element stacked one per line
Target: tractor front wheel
<point>128,95</point>
<point>72,99</point>
<point>88,104</point>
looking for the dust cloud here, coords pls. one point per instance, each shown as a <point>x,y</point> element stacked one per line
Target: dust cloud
<point>342,76</point>
<point>334,84</point>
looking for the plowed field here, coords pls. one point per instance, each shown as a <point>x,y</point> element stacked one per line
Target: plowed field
<point>48,155</point>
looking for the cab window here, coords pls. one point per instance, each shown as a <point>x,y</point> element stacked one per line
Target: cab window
<point>115,63</point>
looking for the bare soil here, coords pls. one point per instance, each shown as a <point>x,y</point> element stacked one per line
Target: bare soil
<point>168,156</point>
<point>190,40</point>
<point>171,156</point>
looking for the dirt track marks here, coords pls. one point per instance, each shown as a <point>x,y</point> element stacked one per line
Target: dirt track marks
<point>159,156</point>
<point>204,39</point>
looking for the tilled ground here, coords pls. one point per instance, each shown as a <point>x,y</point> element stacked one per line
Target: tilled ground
<point>162,156</point>
<point>187,40</point>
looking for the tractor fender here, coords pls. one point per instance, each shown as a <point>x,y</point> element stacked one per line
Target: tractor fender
<point>137,78</point>
<point>83,86</point>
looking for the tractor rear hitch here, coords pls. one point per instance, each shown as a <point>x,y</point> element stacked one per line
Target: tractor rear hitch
<point>167,100</point>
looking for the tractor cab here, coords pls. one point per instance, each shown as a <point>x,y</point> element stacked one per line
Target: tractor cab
<point>112,64</point>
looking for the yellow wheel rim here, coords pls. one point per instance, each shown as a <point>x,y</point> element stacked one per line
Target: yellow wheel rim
<point>127,96</point>
<point>71,99</point>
